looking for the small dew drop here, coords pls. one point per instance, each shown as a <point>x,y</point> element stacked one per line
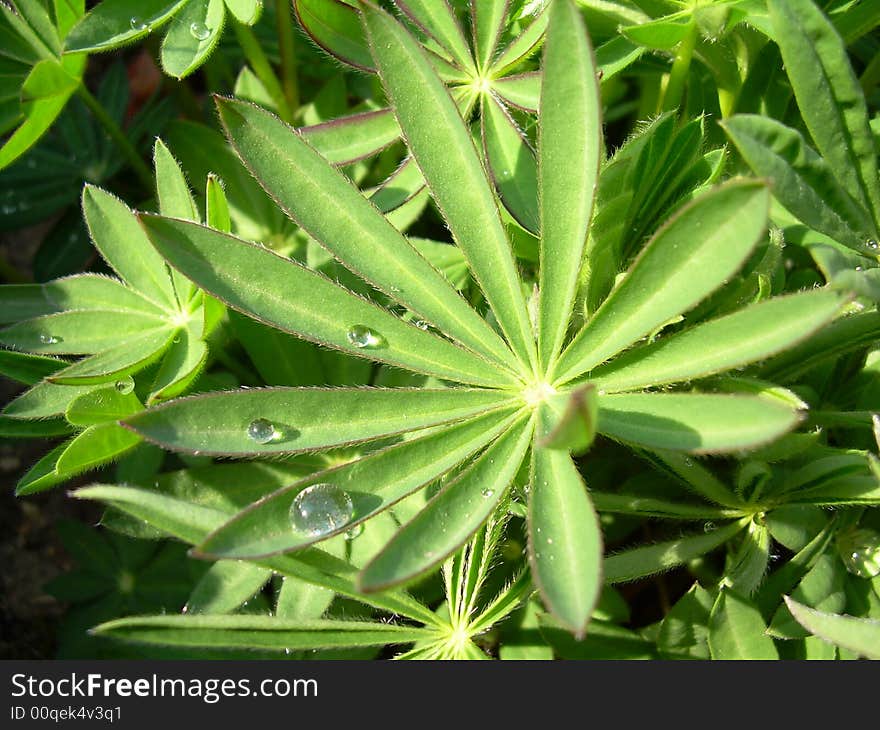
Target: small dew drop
<point>49,339</point>
<point>860,551</point>
<point>199,31</point>
<point>858,268</point>
<point>364,338</point>
<point>549,540</point>
<point>137,23</point>
<point>355,532</point>
<point>872,244</point>
<point>262,431</point>
<point>125,386</point>
<point>488,492</point>
<point>708,527</point>
<point>688,461</point>
<point>321,509</point>
<point>421,324</point>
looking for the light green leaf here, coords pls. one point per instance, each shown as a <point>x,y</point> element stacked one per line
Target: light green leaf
<point>113,23</point>
<point>335,27</point>
<point>225,586</point>
<point>245,11</point>
<point>488,20</point>
<point>736,629</point>
<point>374,482</point>
<point>565,540</point>
<point>217,205</point>
<point>523,45</point>
<point>438,21</point>
<point>124,245</point>
<point>101,405</point>
<point>27,369</point>
<point>183,362</point>
<point>452,516</point>
<point>571,417</point>
<point>569,155</point>
<point>511,162</point>
<point>662,556</point>
<point>44,400</point>
<point>96,445</point>
<point>802,180</point>
<point>193,34</point>
<point>442,145</point>
<point>693,254</point>
<point>726,343</point>
<point>306,188</point>
<point>829,96</point>
<point>522,90</point>
<point>304,419</point>
<point>125,358</point>
<point>344,140</point>
<point>257,632</point>
<point>293,298</point>
<point>859,635</point>
<point>78,332</point>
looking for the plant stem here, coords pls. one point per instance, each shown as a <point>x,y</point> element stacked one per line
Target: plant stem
<point>680,69</point>
<point>262,68</point>
<point>284,22</point>
<point>117,135</point>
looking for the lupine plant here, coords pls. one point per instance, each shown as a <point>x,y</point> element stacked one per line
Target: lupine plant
<point>605,369</point>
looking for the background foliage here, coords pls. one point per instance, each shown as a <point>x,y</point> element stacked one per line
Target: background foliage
<point>502,329</point>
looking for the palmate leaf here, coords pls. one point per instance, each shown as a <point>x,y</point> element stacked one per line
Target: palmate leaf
<point>258,632</point>
<point>445,153</point>
<point>303,419</point>
<point>289,296</point>
<point>374,482</point>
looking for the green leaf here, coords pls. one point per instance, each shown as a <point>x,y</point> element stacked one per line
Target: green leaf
<point>511,162</point>
<point>750,561</point>
<point>859,635</point>
<point>684,631</point>
<point>488,20</point>
<point>245,11</point>
<point>79,332</point>
<point>523,45</point>
<point>829,97</point>
<point>113,23</point>
<point>181,365</point>
<point>695,422</point>
<point>823,588</point>
<point>522,90</point>
<point>27,369</point>
<point>452,516</point>
<point>569,154</point>
<point>175,199</point>
<point>124,245</point>
<point>257,632</point>
<point>662,556</point>
<point>341,141</point>
<point>193,34</point>
<point>44,400</point>
<point>216,205</point>
<point>128,357</point>
<point>306,187</point>
<point>438,21</point>
<point>42,475</point>
<point>565,540</point>
<point>736,629</point>
<point>442,145</point>
<point>374,482</point>
<point>192,522</point>
<point>572,417</point>
<point>662,34</point>
<point>101,405</point>
<point>96,445</point>
<point>44,94</point>
<point>16,428</point>
<point>305,418</point>
<point>726,343</point>
<point>693,254</point>
<point>287,295</point>
<point>226,586</point>
<point>802,180</point>
<point>335,27</point>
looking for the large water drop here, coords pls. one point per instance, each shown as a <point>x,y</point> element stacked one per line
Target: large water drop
<point>321,509</point>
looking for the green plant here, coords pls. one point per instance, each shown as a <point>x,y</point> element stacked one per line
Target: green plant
<point>454,406</point>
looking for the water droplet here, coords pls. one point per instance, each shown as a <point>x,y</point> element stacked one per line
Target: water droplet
<point>487,492</point>
<point>262,431</point>
<point>872,244</point>
<point>364,338</point>
<point>200,31</point>
<point>137,24</point>
<point>421,324</point>
<point>858,268</point>
<point>355,532</point>
<point>860,552</point>
<point>549,540</point>
<point>49,339</point>
<point>708,527</point>
<point>125,386</point>
<point>688,461</point>
<point>321,509</point>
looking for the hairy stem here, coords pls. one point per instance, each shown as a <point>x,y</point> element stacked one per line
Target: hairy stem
<point>286,41</point>
<point>680,69</point>
<point>262,68</point>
